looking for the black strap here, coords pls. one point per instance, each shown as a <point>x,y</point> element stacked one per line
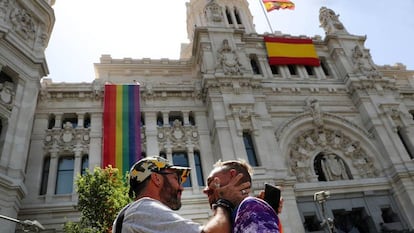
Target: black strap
<point>120,220</point>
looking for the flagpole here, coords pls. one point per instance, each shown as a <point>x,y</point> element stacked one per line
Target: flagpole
<point>265,14</point>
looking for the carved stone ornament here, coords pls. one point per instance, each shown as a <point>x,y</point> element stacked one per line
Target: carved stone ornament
<point>330,21</point>
<point>67,139</point>
<point>7,94</point>
<point>315,141</point>
<point>23,23</point>
<point>228,60</point>
<point>177,135</point>
<point>213,12</point>
<point>363,64</point>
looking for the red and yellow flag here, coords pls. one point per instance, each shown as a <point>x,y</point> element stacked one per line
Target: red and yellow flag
<point>121,126</point>
<point>291,51</point>
<point>278,4</point>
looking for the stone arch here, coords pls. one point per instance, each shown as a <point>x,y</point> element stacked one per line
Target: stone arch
<point>302,140</point>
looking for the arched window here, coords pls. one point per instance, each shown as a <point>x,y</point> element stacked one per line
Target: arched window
<point>181,159</point>
<point>249,146</point>
<point>45,176</point>
<point>64,178</point>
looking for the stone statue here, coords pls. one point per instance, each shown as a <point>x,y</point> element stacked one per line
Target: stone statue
<point>330,21</point>
<point>228,60</point>
<point>213,12</point>
<point>363,65</point>
<point>334,168</point>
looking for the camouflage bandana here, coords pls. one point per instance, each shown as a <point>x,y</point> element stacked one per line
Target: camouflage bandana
<point>143,168</point>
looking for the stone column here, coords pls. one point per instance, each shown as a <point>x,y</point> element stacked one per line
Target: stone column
<point>151,134</point>
<point>191,162</point>
<point>51,182</point>
<point>81,116</point>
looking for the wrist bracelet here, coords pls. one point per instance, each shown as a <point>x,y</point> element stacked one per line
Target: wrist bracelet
<point>225,204</point>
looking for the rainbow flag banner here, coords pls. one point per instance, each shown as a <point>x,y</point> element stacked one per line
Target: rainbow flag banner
<point>121,126</point>
<point>291,51</point>
<point>278,4</point>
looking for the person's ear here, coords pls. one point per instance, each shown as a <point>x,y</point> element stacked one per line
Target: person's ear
<point>233,173</point>
<point>155,178</point>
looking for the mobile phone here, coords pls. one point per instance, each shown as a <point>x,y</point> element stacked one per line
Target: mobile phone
<point>272,196</point>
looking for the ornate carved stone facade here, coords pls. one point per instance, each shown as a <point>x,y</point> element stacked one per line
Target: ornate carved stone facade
<point>345,126</point>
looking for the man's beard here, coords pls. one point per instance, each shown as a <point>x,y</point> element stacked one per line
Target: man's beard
<point>169,195</point>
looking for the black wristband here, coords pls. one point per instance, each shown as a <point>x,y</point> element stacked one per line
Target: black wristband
<point>225,204</point>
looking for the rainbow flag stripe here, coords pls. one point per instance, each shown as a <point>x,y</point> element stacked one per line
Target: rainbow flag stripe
<point>291,51</point>
<point>121,126</point>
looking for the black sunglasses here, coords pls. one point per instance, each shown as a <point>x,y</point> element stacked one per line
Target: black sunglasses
<point>168,173</point>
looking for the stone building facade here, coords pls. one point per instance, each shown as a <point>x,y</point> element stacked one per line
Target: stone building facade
<point>345,127</point>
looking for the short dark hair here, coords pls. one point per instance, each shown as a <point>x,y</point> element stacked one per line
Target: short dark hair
<point>240,165</point>
<point>136,188</point>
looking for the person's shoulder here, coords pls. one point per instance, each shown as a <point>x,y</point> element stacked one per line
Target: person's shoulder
<point>255,203</point>
<point>147,203</point>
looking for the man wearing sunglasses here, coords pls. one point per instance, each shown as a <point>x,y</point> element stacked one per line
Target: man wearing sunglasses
<point>156,186</point>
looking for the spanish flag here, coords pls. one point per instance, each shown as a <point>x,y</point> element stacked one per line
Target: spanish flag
<point>121,126</point>
<point>291,51</point>
<point>278,4</point>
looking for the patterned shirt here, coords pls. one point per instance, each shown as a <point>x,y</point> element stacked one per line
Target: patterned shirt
<point>254,215</point>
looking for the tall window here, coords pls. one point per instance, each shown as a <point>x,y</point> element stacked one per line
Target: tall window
<point>64,180</point>
<point>160,119</point>
<point>228,15</point>
<point>251,153</point>
<point>45,176</point>
<point>181,159</point>
<point>51,121</point>
<point>70,117</point>
<point>172,116</point>
<point>255,65</point>
<point>405,141</point>
<point>324,66</point>
<point>237,15</point>
<point>85,164</point>
<point>292,69</point>
<point>309,70</point>
<point>191,118</point>
<point>87,121</point>
<point>199,168</point>
<point>274,69</point>
<point>142,122</point>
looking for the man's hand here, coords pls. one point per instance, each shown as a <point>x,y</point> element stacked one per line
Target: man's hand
<point>232,192</point>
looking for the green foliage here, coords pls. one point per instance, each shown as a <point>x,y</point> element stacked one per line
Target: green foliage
<point>102,194</point>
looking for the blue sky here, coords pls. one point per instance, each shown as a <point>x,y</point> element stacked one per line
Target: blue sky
<point>86,29</point>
